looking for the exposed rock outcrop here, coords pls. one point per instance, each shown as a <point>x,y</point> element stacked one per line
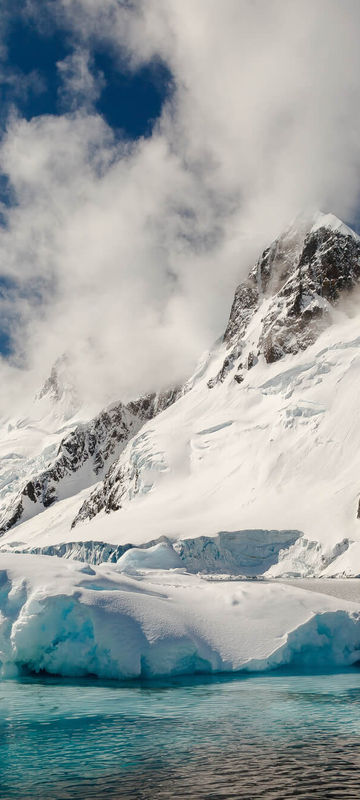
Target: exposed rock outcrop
<point>293,287</point>
<point>84,455</point>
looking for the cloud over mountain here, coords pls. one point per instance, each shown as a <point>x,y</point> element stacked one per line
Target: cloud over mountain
<point>126,253</point>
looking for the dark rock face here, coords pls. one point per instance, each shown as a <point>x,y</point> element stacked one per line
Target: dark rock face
<point>151,404</point>
<point>328,267</point>
<point>244,303</point>
<point>92,444</point>
<point>88,450</point>
<point>14,516</point>
<point>297,280</point>
<point>108,495</point>
<point>331,262</point>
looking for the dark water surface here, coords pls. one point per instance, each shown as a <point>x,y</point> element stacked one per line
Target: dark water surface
<point>268,736</point>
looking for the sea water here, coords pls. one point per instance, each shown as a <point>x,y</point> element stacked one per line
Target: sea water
<point>265,736</point>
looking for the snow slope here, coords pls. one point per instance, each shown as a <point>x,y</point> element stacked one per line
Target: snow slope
<point>30,442</point>
<point>70,619</point>
<point>63,449</point>
<point>254,466</point>
<point>279,452</point>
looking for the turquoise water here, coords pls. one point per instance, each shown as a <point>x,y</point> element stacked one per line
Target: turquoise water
<point>268,736</point>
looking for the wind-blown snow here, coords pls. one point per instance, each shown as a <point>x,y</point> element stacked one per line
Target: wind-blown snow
<point>334,223</point>
<point>70,619</point>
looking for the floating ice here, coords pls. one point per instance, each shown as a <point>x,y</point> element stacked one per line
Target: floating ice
<point>58,618</point>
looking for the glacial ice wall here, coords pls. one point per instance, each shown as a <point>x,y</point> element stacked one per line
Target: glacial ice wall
<point>248,552</point>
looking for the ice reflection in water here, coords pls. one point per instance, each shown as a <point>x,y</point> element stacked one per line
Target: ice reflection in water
<point>274,736</point>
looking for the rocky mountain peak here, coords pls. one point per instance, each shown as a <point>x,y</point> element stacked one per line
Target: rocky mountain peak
<point>293,285</point>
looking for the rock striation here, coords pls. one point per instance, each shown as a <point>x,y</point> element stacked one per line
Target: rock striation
<point>293,287</point>
<point>84,456</point>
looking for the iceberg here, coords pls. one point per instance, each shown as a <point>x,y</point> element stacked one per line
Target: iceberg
<point>67,618</point>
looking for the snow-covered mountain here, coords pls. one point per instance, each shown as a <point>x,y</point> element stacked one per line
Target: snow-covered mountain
<point>251,467</point>
<point>82,456</point>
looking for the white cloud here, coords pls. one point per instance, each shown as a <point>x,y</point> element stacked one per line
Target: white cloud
<point>80,85</point>
<point>135,248</point>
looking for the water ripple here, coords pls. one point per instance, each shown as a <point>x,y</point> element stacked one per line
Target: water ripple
<point>273,737</point>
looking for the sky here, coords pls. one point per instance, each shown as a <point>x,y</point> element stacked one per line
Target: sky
<point>149,150</point>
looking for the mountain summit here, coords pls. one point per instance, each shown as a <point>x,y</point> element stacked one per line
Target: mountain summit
<point>252,466</point>
<point>287,298</point>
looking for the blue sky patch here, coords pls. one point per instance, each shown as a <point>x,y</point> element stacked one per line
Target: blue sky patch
<point>130,102</point>
<point>32,84</point>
